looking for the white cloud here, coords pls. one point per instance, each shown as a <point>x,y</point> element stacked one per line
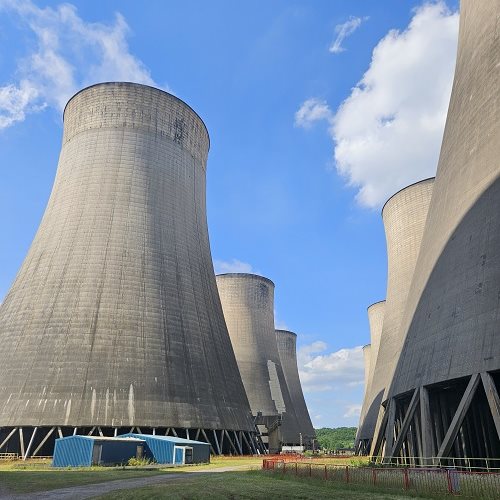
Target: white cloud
<point>70,54</point>
<point>388,132</point>
<point>352,411</point>
<point>232,266</point>
<point>312,110</point>
<point>336,371</point>
<point>343,31</point>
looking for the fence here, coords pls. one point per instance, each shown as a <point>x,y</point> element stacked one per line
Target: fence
<point>8,456</point>
<point>437,481</point>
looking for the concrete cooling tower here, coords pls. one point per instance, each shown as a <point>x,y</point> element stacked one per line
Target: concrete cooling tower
<point>248,305</point>
<point>445,388</point>
<point>367,350</point>
<point>404,216</point>
<point>114,321</point>
<point>287,349</point>
<point>370,353</point>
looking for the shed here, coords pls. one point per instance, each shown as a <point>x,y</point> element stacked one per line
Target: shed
<point>84,451</point>
<point>173,450</point>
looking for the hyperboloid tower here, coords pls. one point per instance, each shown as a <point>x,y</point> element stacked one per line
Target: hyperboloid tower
<point>248,305</point>
<point>443,401</point>
<point>114,321</point>
<point>287,349</point>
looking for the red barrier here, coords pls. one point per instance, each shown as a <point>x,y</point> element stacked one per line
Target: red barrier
<point>441,481</point>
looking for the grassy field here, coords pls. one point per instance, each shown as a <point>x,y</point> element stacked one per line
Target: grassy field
<point>27,481</point>
<point>31,476</point>
<point>251,485</point>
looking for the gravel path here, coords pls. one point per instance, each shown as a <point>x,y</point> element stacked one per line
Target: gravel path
<point>94,490</point>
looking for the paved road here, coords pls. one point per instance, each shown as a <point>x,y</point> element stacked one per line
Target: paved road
<point>94,490</point>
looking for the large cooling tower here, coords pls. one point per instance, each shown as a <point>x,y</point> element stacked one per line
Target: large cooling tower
<point>114,320</point>
<point>370,353</point>
<point>404,216</point>
<point>451,356</point>
<point>248,305</point>
<point>287,349</point>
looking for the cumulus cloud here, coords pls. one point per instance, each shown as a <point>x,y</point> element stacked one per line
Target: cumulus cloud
<point>343,31</point>
<point>387,133</point>
<point>352,411</point>
<point>312,110</point>
<point>232,266</point>
<point>69,54</point>
<point>321,371</point>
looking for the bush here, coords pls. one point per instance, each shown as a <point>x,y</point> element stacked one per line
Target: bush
<point>138,462</point>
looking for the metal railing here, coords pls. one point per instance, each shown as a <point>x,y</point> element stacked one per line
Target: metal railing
<point>8,456</point>
<point>465,464</point>
<point>434,480</point>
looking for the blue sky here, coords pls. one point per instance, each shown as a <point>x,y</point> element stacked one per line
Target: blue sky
<point>317,113</point>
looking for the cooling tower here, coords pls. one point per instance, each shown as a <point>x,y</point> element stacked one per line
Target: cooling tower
<point>367,350</point>
<point>376,320</point>
<point>114,320</point>
<point>248,305</point>
<point>449,366</point>
<point>287,349</point>
<point>404,216</point>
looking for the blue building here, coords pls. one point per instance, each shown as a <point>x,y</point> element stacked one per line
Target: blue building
<point>173,450</point>
<point>85,451</point>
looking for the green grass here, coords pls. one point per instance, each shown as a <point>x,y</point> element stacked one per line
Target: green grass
<point>31,476</point>
<point>27,481</point>
<point>251,485</point>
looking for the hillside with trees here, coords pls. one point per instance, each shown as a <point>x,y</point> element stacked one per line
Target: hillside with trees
<point>333,439</point>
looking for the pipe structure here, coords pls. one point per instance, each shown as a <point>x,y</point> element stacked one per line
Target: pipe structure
<point>114,319</point>
<point>287,349</point>
<point>376,321</point>
<point>451,323</point>
<point>404,216</point>
<point>248,305</point>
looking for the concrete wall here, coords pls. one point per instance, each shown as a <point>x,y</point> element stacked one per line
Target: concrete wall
<point>248,305</point>
<point>287,349</point>
<point>114,317</point>
<point>451,320</point>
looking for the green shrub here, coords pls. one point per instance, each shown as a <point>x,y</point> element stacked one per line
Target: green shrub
<point>138,462</point>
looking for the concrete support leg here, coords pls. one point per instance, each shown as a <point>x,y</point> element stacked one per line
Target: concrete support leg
<point>30,444</point>
<point>231,442</point>
<point>208,441</point>
<point>6,440</point>
<point>458,418</point>
<point>389,429</point>
<point>217,444</point>
<point>394,451</point>
<point>21,441</point>
<point>427,449</point>
<point>44,440</point>
<point>379,435</point>
<point>493,398</point>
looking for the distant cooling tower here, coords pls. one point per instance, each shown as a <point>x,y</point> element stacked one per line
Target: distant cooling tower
<point>376,320</point>
<point>445,387</point>
<point>404,216</point>
<point>248,305</point>
<point>287,349</point>
<point>114,321</point>
<point>367,350</point>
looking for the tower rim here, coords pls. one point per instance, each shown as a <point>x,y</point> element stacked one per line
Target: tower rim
<point>138,85</point>
<point>421,181</point>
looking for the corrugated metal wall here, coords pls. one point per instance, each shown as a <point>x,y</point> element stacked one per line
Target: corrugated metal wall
<point>73,451</point>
